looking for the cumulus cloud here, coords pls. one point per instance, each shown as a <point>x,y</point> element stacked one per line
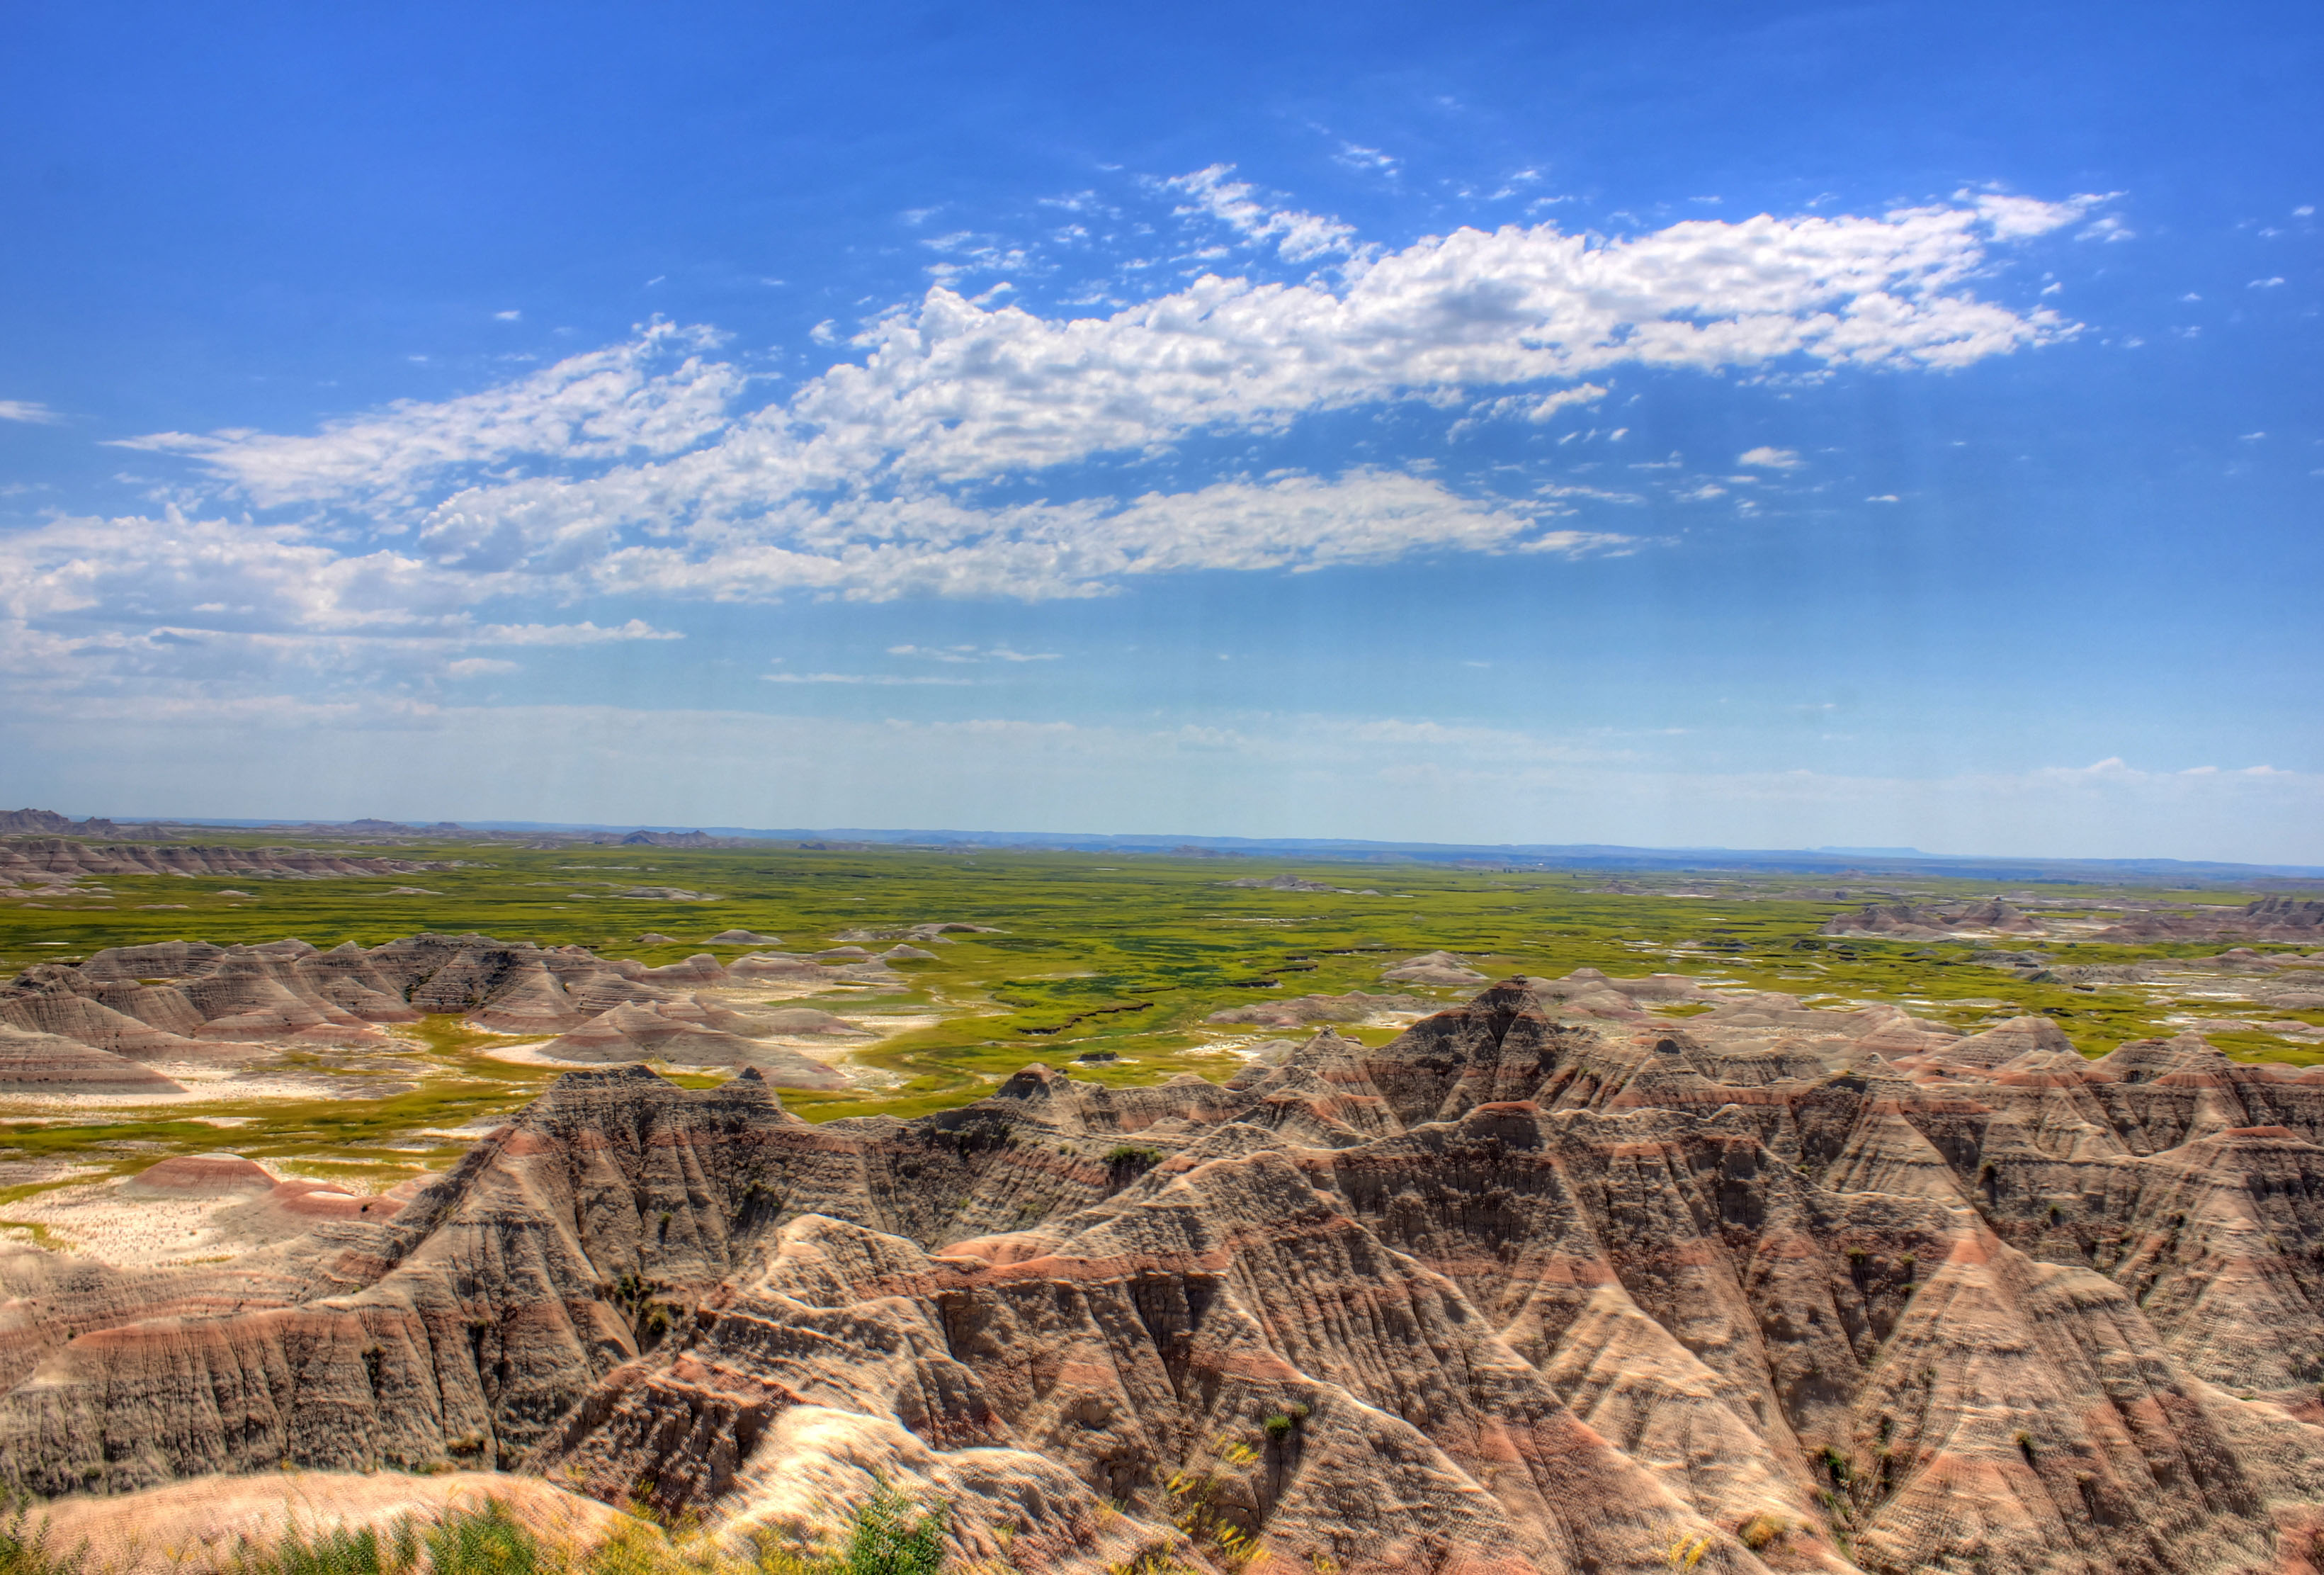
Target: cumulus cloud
<point>641,469</point>
<point>31,410</point>
<point>654,396</point>
<point>951,391</point>
<point>1297,235</point>
<point>1768,458</point>
<point>879,550</point>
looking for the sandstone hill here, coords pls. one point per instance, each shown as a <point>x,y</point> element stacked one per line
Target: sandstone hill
<point>1908,921</point>
<point>193,1002</point>
<point>20,822</point>
<point>53,857</point>
<point>1292,882</point>
<point>2262,919</point>
<point>1550,1283</point>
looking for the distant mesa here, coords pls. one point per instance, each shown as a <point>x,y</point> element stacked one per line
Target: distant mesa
<point>806,1020</point>
<point>788,968</point>
<point>688,1031</point>
<point>1431,968</point>
<point>1931,921</point>
<point>744,938</point>
<point>1355,1007</point>
<point>2274,918</point>
<point>23,823</point>
<point>195,1003</point>
<point>2266,919</point>
<point>937,934</point>
<point>1292,882</point>
<point>32,857</point>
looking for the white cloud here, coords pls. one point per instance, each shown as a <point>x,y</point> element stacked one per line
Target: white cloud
<point>28,409</point>
<point>2264,283</point>
<point>616,403</point>
<point>1356,157</point>
<point>1770,459</point>
<point>1538,408</point>
<point>631,468</point>
<point>581,634</point>
<point>932,546</point>
<point>970,654</point>
<point>508,317</point>
<point>478,667</point>
<point>1883,497</point>
<point>1297,235</point>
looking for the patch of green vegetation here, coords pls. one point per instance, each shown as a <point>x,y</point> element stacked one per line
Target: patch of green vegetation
<point>1113,952</point>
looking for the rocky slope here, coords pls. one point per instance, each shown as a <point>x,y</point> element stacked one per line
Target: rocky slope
<point>1553,1282</point>
<point>190,1001</point>
<point>1907,920</point>
<point>26,858</point>
<point>2262,919</point>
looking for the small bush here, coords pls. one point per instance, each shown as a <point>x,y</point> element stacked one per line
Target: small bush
<point>336,1550</point>
<point>1132,1157</point>
<point>1761,1531</point>
<point>486,1540</point>
<point>25,1549</point>
<point>1278,1427</point>
<point>892,1535</point>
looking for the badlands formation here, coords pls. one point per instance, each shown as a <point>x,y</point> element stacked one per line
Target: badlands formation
<point>1583,1274</point>
<point>107,1023</point>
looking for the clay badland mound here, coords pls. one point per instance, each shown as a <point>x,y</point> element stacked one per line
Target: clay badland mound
<point>191,1001</point>
<point>1549,1282</point>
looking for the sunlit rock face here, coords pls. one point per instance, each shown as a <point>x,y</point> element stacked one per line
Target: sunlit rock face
<point>1554,1281</point>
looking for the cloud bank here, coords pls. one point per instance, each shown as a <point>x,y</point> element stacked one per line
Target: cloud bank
<point>642,467</point>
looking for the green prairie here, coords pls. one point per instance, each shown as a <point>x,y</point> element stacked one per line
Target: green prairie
<point>1095,953</point>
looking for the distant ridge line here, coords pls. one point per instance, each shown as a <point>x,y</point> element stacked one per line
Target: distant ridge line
<point>1608,856</point>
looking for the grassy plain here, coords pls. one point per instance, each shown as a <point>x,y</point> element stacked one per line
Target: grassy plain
<point>1095,952</point>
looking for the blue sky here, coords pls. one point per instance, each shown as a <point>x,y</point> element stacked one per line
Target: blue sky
<point>1750,425</point>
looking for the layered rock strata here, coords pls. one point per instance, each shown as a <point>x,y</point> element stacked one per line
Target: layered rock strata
<point>1550,1283</point>
<point>60,855</point>
<point>190,1001</point>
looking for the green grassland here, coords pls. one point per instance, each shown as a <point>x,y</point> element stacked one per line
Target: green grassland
<point>1096,952</point>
